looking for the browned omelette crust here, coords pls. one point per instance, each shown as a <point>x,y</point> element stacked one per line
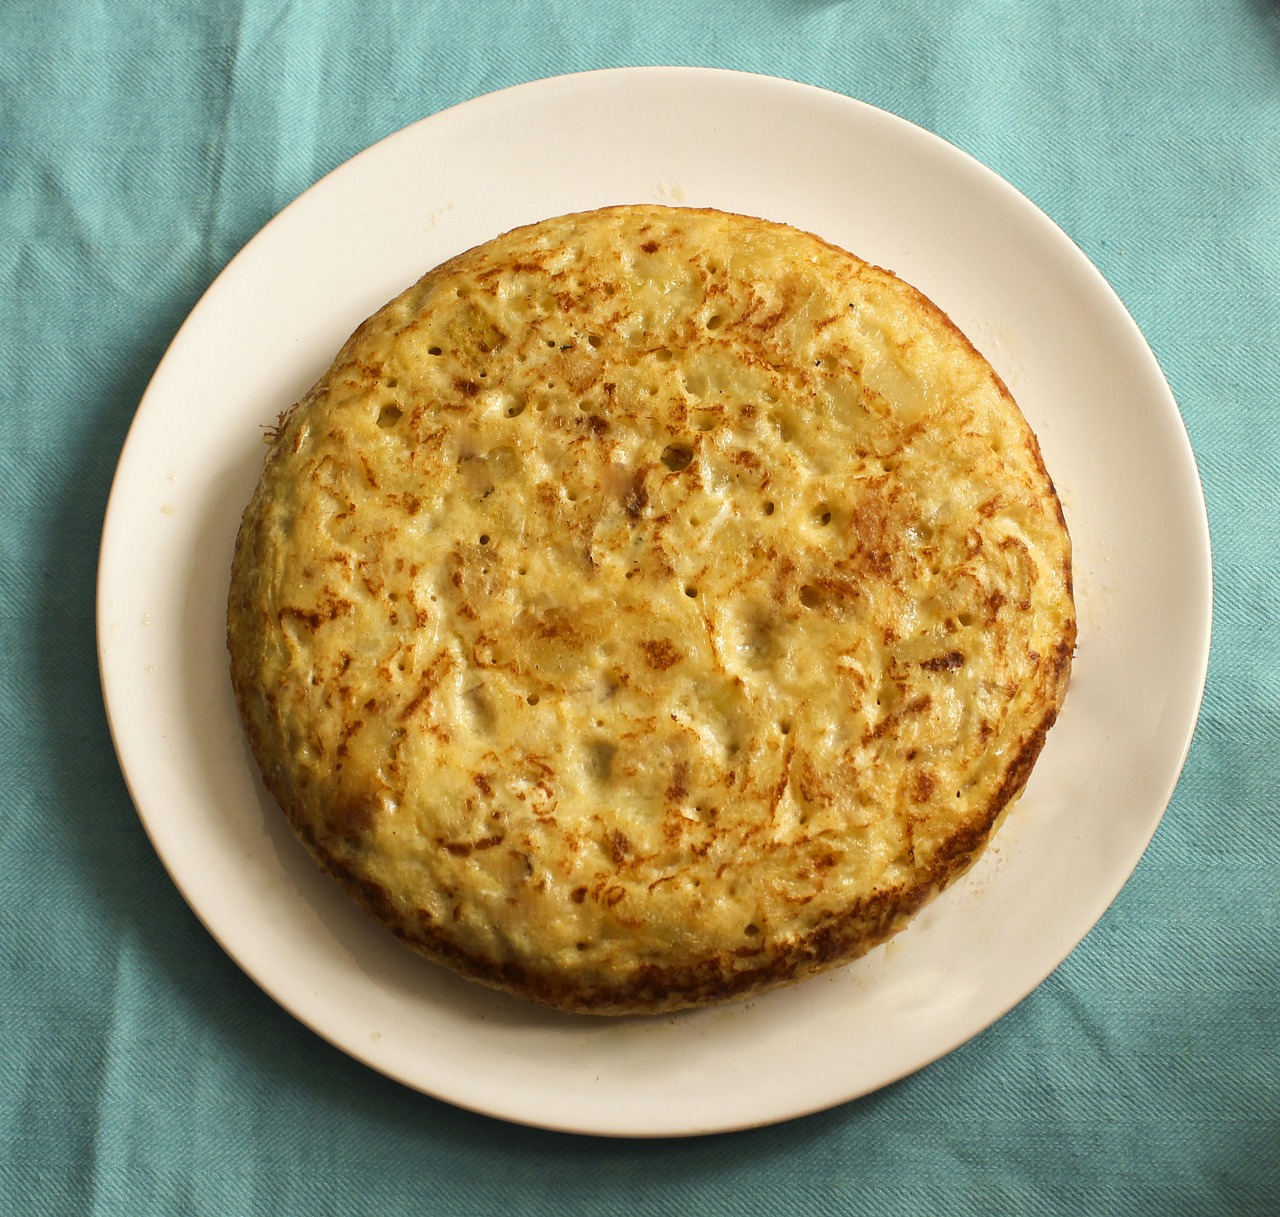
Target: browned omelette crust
<point>649,607</point>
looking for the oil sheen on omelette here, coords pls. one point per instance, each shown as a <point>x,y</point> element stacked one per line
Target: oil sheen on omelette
<point>649,607</point>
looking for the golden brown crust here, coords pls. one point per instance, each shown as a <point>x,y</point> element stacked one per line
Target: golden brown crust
<point>650,607</point>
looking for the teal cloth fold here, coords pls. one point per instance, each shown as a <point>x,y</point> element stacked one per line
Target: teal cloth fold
<point>142,144</point>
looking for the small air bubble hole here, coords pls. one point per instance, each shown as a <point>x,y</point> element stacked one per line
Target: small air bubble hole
<point>677,457</point>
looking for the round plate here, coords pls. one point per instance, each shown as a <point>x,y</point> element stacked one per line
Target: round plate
<point>1112,439</point>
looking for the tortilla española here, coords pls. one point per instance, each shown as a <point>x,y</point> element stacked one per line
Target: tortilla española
<point>649,607</point>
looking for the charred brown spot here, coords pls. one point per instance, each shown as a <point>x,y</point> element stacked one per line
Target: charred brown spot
<point>650,247</point>
<point>923,786</point>
<point>352,818</point>
<point>330,608</point>
<point>308,616</point>
<point>636,498</point>
<point>660,653</point>
<point>578,895</point>
<point>461,849</point>
<point>619,846</point>
<point>482,785</point>
<point>679,787</point>
<point>468,388</point>
<point>949,662</point>
<point>811,787</point>
<point>555,624</point>
<point>416,702</point>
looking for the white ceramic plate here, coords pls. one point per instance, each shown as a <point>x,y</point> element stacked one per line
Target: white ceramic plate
<point>1112,438</point>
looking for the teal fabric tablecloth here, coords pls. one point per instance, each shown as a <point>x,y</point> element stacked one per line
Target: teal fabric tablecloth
<point>141,144</point>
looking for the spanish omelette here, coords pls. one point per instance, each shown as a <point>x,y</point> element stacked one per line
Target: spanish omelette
<point>649,607</point>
